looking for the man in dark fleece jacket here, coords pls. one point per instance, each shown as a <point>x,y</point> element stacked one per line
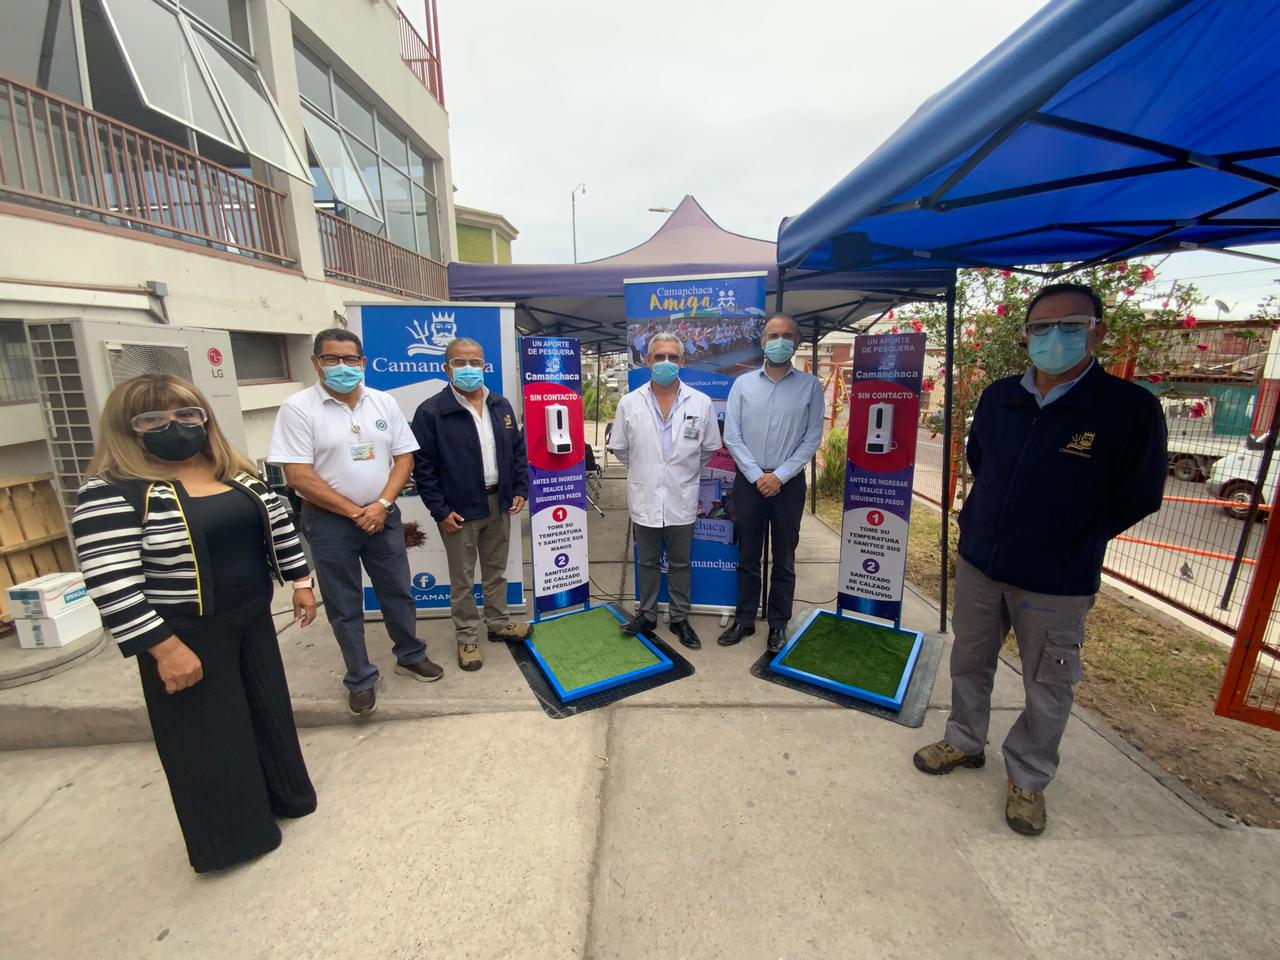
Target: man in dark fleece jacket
<point>1064,458</point>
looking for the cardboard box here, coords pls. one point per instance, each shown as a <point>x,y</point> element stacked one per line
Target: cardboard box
<point>48,596</point>
<point>38,633</point>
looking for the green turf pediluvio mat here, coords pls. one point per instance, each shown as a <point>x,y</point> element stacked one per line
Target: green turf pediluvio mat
<point>866,666</point>
<point>581,660</point>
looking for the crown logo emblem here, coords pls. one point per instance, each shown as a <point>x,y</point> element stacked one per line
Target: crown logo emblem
<point>435,337</point>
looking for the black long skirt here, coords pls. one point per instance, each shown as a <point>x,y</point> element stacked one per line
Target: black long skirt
<point>228,745</point>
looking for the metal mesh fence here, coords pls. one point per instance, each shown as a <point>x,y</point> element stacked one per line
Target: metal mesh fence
<point>1186,552</point>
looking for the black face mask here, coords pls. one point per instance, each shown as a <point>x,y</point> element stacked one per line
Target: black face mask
<point>176,441</point>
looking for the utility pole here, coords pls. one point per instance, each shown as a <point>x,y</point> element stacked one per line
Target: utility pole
<point>573,213</point>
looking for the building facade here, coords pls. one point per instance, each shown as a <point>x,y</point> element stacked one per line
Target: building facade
<point>484,236</point>
<point>241,165</point>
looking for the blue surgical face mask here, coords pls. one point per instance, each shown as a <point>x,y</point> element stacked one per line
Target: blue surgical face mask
<point>1057,352</point>
<point>342,378</point>
<point>665,372</point>
<point>780,350</point>
<point>467,379</point>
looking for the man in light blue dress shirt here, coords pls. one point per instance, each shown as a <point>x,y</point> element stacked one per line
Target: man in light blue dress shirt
<point>773,425</point>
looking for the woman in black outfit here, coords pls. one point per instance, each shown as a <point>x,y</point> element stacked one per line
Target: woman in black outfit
<point>179,542</point>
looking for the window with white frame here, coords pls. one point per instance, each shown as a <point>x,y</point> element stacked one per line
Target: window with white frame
<point>366,169</point>
<point>188,60</point>
<point>260,357</point>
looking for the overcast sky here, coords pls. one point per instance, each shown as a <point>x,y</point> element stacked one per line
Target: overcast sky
<point>756,108</point>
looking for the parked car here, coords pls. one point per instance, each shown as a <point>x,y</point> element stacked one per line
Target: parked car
<point>1235,476</point>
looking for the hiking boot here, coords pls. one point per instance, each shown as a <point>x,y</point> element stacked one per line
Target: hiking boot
<point>469,656</point>
<point>423,670</point>
<point>1024,811</point>
<point>362,702</point>
<point>942,757</point>
<point>511,632</point>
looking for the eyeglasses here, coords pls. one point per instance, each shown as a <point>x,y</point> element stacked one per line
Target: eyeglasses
<point>659,357</point>
<point>333,359</point>
<point>1073,324</point>
<point>159,419</point>
<point>459,362</point>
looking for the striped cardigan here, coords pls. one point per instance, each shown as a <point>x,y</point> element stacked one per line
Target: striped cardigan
<point>139,557</point>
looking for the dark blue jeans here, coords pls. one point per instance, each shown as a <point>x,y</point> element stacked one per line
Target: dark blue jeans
<point>340,547</point>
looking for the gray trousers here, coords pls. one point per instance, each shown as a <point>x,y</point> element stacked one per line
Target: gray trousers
<point>679,541</point>
<point>339,548</point>
<point>1049,630</point>
<point>489,541</point>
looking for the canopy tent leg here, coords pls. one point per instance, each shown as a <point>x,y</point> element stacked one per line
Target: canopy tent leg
<point>948,358</point>
<point>764,560</point>
<point>598,385</point>
<point>813,461</point>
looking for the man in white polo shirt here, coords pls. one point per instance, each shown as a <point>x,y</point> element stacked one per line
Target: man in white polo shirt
<point>347,450</point>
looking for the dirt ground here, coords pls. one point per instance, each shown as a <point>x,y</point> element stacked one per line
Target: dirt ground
<point>1155,682</point>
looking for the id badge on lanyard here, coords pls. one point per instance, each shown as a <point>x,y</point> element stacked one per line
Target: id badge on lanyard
<point>690,427</point>
<point>362,451</point>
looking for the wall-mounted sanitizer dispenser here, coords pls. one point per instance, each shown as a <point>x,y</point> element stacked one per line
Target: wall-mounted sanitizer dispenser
<point>558,440</point>
<point>880,428</point>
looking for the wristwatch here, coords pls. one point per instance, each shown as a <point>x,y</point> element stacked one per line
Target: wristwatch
<point>387,505</point>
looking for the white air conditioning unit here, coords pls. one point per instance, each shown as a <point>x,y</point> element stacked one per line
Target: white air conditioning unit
<point>79,362</point>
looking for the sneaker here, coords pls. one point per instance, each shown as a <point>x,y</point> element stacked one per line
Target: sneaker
<point>942,757</point>
<point>423,670</point>
<point>469,656</point>
<point>1024,811</point>
<point>363,702</point>
<point>511,632</point>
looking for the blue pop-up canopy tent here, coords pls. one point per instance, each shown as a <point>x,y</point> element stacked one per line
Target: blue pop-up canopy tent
<point>1101,129</point>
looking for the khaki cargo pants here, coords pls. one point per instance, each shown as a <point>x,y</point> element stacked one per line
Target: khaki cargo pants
<point>1050,631</point>
<point>487,540</point>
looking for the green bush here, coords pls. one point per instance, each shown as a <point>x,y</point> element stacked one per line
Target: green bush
<point>832,457</point>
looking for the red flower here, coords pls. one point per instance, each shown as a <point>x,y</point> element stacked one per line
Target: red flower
<point>1165,305</point>
<point>1155,378</point>
<point>890,314</point>
<point>969,332</point>
<point>1006,273</point>
<point>1000,311</point>
<point>1202,346</point>
<point>917,326</point>
<point>927,384</point>
<point>1148,274</point>
<point>977,345</point>
<point>894,328</point>
<point>1129,291</point>
<point>1189,322</point>
<point>1122,266</point>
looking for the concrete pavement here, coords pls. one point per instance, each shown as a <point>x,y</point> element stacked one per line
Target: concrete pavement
<point>719,816</point>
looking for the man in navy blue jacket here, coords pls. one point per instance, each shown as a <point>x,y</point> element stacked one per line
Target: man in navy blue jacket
<point>472,474</point>
<point>1063,458</point>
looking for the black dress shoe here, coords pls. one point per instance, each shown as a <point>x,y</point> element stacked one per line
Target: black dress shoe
<point>735,633</point>
<point>777,639</point>
<point>686,634</point>
<point>639,624</point>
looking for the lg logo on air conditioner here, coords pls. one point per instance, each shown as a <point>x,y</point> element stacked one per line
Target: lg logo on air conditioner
<point>215,363</point>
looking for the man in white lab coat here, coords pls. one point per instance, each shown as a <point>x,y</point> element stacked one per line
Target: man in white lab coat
<point>664,432</point>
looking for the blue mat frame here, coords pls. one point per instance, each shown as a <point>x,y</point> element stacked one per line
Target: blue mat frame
<point>567,696</point>
<point>893,703</point>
